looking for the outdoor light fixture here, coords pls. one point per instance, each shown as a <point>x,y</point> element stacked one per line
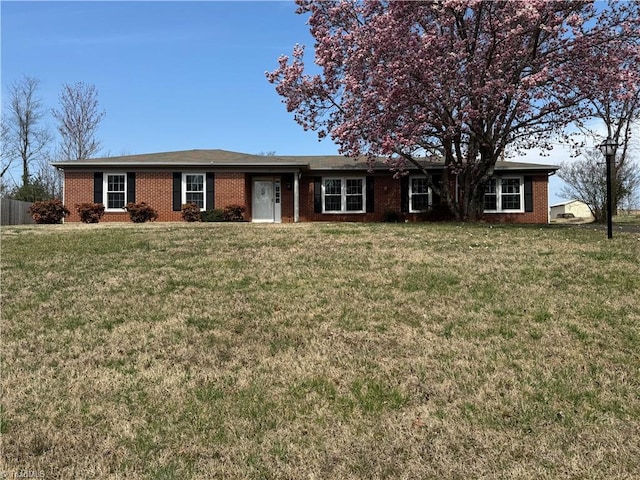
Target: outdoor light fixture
<point>608,149</point>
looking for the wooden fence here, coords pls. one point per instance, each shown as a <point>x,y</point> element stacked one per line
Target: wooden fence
<point>14,212</point>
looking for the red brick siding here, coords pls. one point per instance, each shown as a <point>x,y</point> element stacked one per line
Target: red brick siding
<point>540,212</point>
<point>247,196</point>
<point>287,200</point>
<point>78,188</point>
<point>155,188</point>
<point>230,189</point>
<point>386,198</point>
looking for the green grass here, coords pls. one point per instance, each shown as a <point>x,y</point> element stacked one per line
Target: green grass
<point>163,351</point>
<point>627,218</point>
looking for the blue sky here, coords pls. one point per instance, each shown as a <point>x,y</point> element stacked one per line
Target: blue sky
<point>170,75</point>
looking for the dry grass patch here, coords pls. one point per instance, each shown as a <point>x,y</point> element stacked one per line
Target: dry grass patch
<point>320,351</point>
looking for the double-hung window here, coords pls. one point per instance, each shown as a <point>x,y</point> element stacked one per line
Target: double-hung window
<point>504,194</point>
<point>115,191</point>
<point>194,189</point>
<point>510,194</point>
<point>419,195</point>
<point>491,195</point>
<point>343,195</point>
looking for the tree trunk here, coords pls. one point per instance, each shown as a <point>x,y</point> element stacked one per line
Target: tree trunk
<point>470,198</point>
<point>471,184</point>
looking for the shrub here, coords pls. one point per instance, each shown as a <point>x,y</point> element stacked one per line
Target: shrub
<point>48,211</point>
<point>215,215</point>
<point>141,212</point>
<point>90,212</point>
<point>391,216</point>
<point>440,213</point>
<point>191,212</point>
<point>233,213</point>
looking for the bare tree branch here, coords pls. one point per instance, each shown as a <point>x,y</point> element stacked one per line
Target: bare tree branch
<point>78,118</point>
<point>585,181</point>
<point>26,139</point>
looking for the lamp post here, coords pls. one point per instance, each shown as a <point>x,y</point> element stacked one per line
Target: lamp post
<point>608,149</point>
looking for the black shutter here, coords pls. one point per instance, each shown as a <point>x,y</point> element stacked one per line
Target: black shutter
<point>528,194</point>
<point>97,187</point>
<point>370,191</point>
<point>404,194</point>
<point>317,195</point>
<point>211,191</point>
<point>131,187</point>
<point>435,198</point>
<point>177,191</point>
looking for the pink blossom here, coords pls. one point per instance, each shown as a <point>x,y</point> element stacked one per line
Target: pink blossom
<point>460,79</point>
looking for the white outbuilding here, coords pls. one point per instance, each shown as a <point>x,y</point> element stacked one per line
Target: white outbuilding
<point>570,209</point>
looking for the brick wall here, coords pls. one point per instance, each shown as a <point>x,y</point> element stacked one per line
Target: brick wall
<point>230,189</point>
<point>78,188</point>
<point>287,199</point>
<point>386,198</point>
<point>155,188</point>
<point>540,212</point>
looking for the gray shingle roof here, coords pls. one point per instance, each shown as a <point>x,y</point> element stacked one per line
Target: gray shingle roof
<point>180,158</point>
<point>224,158</point>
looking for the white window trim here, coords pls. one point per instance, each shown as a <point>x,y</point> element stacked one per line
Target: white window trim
<point>204,188</point>
<point>105,191</point>
<point>343,195</point>
<point>499,208</point>
<point>429,194</point>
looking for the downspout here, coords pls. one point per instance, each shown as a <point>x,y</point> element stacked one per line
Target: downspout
<point>550,174</point>
<point>64,202</point>
<point>296,197</point>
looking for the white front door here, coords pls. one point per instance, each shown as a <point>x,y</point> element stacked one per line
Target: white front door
<point>267,197</point>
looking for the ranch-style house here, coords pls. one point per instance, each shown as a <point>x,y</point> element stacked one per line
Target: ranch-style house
<point>289,188</point>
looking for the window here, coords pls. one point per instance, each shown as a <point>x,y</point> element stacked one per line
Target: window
<point>277,191</point>
<point>491,195</point>
<point>419,195</point>
<point>194,184</point>
<point>116,188</point>
<point>332,195</point>
<point>504,195</point>
<point>355,195</point>
<point>510,194</point>
<point>343,195</point>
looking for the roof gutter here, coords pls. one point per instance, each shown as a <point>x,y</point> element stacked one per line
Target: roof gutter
<point>80,164</point>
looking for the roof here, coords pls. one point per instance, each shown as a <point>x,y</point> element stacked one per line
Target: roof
<point>568,202</point>
<point>224,158</point>
<point>181,158</point>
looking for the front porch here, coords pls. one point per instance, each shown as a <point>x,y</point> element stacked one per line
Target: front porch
<point>273,198</point>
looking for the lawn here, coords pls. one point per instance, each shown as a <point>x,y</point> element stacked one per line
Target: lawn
<point>319,351</point>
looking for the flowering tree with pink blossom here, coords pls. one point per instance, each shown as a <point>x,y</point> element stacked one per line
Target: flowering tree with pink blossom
<point>456,81</point>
